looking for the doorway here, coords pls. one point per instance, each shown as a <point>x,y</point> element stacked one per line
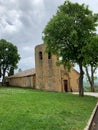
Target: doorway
<point>66,85</point>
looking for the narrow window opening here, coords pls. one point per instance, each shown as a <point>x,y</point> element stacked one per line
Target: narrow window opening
<point>40,55</point>
<point>49,55</point>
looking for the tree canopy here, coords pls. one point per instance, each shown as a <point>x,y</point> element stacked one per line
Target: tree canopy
<point>9,58</point>
<point>68,32</point>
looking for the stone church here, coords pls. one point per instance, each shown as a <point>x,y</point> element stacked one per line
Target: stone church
<point>46,75</point>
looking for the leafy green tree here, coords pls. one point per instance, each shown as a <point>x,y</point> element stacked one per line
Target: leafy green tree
<point>68,32</point>
<point>11,71</point>
<point>9,58</point>
<point>91,60</point>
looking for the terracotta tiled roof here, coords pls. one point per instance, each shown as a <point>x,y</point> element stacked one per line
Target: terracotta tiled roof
<point>23,73</point>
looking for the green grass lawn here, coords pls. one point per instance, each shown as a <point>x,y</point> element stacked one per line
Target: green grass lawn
<point>27,109</point>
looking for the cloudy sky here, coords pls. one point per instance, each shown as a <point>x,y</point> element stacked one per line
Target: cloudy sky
<point>22,23</point>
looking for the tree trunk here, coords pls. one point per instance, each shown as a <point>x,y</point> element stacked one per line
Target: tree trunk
<point>91,78</point>
<point>0,73</point>
<point>81,90</point>
<point>92,87</point>
<point>3,78</point>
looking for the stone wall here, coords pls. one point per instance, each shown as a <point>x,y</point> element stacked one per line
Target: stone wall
<point>51,77</point>
<point>26,81</point>
<point>47,73</point>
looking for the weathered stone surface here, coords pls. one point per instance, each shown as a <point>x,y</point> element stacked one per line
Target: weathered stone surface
<point>48,76</point>
<point>51,77</point>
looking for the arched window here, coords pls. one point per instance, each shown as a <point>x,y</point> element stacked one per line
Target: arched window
<point>49,55</point>
<point>40,55</point>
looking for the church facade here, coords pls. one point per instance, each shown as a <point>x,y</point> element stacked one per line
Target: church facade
<point>51,77</point>
<point>47,75</point>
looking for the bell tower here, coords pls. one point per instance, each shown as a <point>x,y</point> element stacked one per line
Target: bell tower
<point>48,74</point>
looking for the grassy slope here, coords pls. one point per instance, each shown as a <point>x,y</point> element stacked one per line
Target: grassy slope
<point>26,109</point>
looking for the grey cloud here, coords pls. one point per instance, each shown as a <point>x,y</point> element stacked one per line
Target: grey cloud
<point>26,63</point>
<point>22,23</point>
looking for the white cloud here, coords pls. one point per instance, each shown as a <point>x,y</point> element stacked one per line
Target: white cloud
<point>27,63</point>
<point>27,48</point>
<point>38,2</point>
<point>22,23</point>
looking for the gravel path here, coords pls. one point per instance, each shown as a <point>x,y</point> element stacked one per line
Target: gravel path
<point>88,93</point>
<point>94,124</point>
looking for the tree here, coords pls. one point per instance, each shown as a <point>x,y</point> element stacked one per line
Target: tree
<point>11,71</point>
<point>91,60</point>
<point>90,76</point>
<point>68,32</point>
<point>9,58</point>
